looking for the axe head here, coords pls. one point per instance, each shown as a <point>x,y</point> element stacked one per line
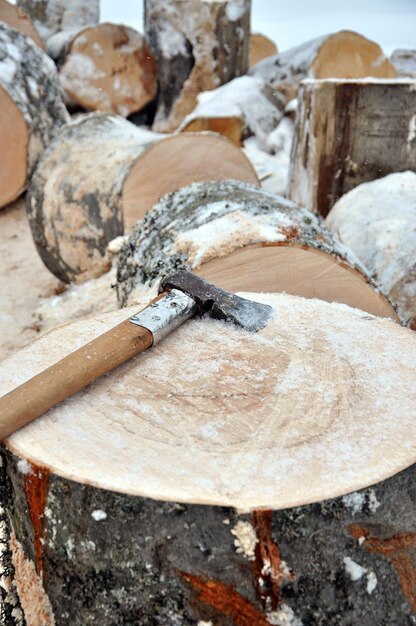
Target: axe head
<point>217,303</point>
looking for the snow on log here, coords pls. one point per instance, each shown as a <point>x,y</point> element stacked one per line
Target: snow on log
<point>16,18</point>
<point>295,414</point>
<point>102,173</point>
<point>31,109</point>
<point>53,16</point>
<point>344,54</point>
<point>243,238</point>
<point>349,132</point>
<point>243,107</point>
<point>377,221</point>
<point>405,62</point>
<point>198,45</point>
<point>105,67</point>
<point>260,48</point>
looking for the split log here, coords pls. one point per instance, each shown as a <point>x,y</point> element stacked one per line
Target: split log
<point>344,54</point>
<point>243,107</point>
<point>16,18</point>
<point>53,16</point>
<point>105,67</point>
<point>377,221</point>
<point>243,239</point>
<point>171,472</point>
<point>260,48</point>
<point>405,62</point>
<point>350,132</point>
<point>101,172</point>
<point>198,46</point>
<point>31,109</point>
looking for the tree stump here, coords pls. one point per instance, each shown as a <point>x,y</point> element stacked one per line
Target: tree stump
<point>53,16</point>
<point>349,132</point>
<point>16,18</point>
<point>243,107</point>
<point>376,220</point>
<point>31,109</point>
<point>243,238</point>
<point>124,498</point>
<point>344,54</point>
<point>260,48</point>
<point>198,45</point>
<point>105,67</point>
<point>102,172</point>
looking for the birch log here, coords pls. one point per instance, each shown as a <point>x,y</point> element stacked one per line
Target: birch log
<point>198,45</point>
<point>102,172</point>
<point>405,62</point>
<point>31,109</point>
<point>377,221</point>
<point>123,511</point>
<point>243,238</point>
<point>344,54</point>
<point>243,107</point>
<point>16,18</point>
<point>105,67</point>
<point>349,132</point>
<point>260,48</point>
<point>54,16</point>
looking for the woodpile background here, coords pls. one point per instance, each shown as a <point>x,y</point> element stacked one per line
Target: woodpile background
<point>233,480</point>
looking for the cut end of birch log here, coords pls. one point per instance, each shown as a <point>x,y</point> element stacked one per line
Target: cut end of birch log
<point>197,46</point>
<point>308,386</point>
<point>377,221</point>
<point>17,18</point>
<point>243,107</point>
<point>345,54</point>
<point>106,67</point>
<point>260,48</point>
<point>244,238</point>
<point>101,174</point>
<point>349,132</point>
<point>31,109</point>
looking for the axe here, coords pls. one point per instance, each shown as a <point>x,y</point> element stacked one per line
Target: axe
<point>182,296</point>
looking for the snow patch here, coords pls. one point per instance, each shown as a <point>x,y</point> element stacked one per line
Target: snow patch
<point>235,10</point>
<point>99,515</point>
<point>245,539</point>
<point>284,616</point>
<point>353,569</point>
<point>24,467</point>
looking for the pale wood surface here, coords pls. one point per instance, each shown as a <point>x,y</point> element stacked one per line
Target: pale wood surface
<point>260,48</point>
<point>17,18</point>
<point>299,412</point>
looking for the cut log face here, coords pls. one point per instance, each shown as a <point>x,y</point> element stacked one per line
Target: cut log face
<point>260,48</point>
<point>377,221</point>
<point>16,18</point>
<point>344,54</point>
<point>31,109</point>
<point>242,237</point>
<point>217,416</point>
<point>243,107</point>
<point>53,16</point>
<point>349,132</point>
<point>107,67</point>
<point>197,46</point>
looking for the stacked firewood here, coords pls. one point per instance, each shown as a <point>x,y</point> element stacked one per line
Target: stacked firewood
<point>289,173</point>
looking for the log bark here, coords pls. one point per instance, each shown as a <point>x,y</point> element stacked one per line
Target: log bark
<point>260,48</point>
<point>171,473</point>
<point>344,54</point>
<point>198,46</point>
<point>53,16</point>
<point>243,239</point>
<point>105,67</point>
<point>31,109</point>
<point>16,18</point>
<point>243,107</point>
<point>347,133</point>
<point>102,172</point>
<point>376,220</point>
<point>405,62</point>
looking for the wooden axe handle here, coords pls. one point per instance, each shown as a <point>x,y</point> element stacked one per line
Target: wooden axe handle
<point>72,373</point>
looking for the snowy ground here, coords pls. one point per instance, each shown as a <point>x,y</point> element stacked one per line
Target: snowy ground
<point>392,23</point>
